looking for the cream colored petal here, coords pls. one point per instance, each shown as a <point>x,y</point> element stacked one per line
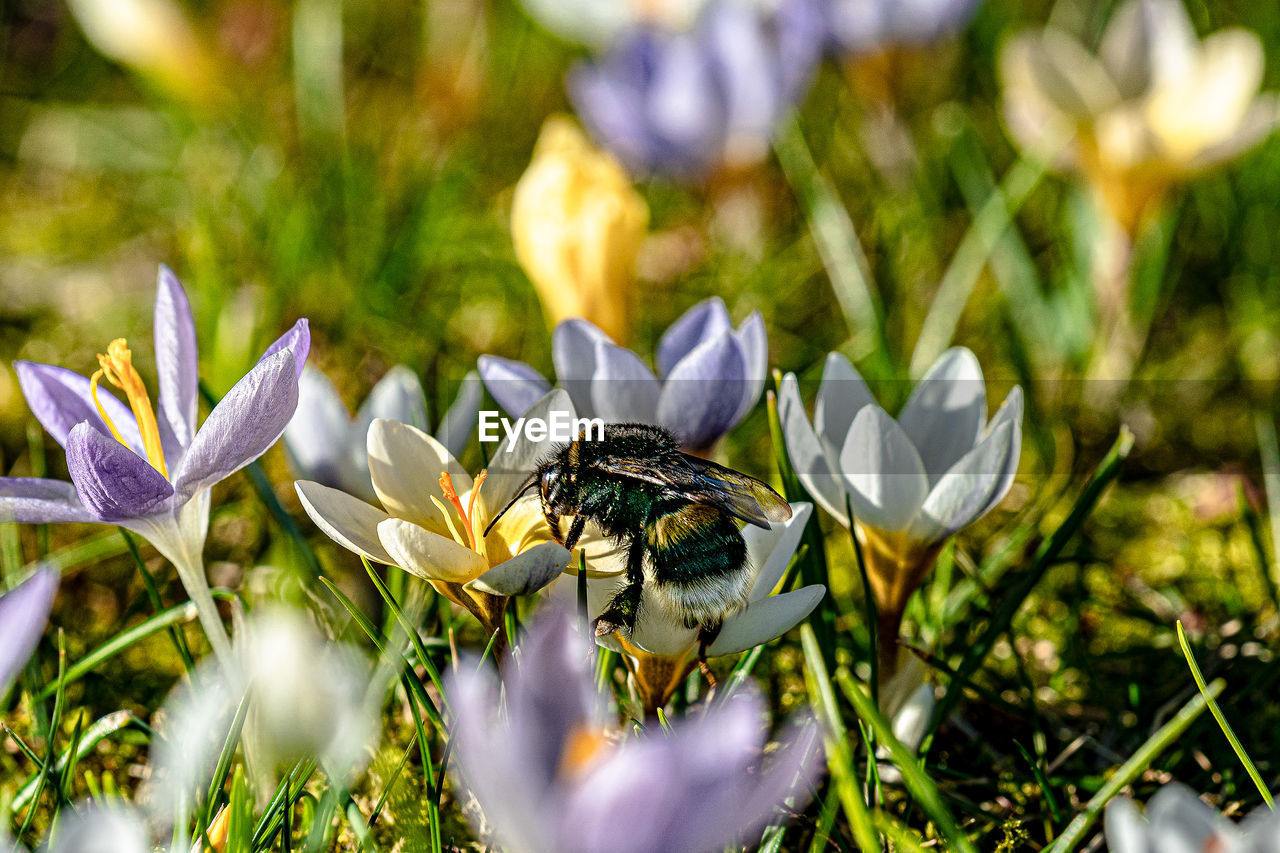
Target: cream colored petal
<point>1147,41</point>
<point>1260,122</point>
<point>1123,139</point>
<point>429,555</point>
<point>1038,126</point>
<point>405,464</point>
<point>765,620</point>
<point>525,573</point>
<point>1206,107</point>
<point>1067,75</point>
<point>349,521</point>
<point>770,551</point>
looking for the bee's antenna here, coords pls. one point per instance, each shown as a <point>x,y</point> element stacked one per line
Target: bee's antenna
<point>524,487</point>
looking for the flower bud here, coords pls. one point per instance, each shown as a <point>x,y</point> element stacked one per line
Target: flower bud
<point>577,225</point>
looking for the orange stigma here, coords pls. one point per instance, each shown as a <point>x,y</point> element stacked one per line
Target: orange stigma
<point>117,367</point>
<point>467,514</point>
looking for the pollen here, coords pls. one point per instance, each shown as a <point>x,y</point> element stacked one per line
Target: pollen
<point>117,367</point>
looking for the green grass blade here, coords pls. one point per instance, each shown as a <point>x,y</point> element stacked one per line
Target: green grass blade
<point>1132,768</point>
<point>1249,766</point>
<point>836,240</point>
<point>913,774</point>
<point>180,613</point>
<point>1021,586</point>
<point>839,756</point>
<point>957,283</point>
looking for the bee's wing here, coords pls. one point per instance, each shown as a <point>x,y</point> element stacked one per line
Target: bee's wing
<point>746,497</point>
<point>701,481</point>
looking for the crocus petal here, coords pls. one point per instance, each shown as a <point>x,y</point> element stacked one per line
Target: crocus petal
<point>101,828</point>
<point>765,619</point>
<point>946,411</point>
<point>525,573</point>
<point>349,521</point>
<point>1010,411</point>
<point>398,396</point>
<point>703,393</point>
<point>1179,820</point>
<point>573,352</point>
<point>1125,827</point>
<point>841,395</point>
<point>33,500</point>
<point>457,424</point>
<point>965,491</point>
<point>808,457</point>
<point>406,465</point>
<point>177,363</point>
<point>511,464</point>
<point>60,399</point>
<point>244,425</point>
<point>1069,76</point>
<point>24,612</point>
<point>1146,41</point>
<point>515,385</point>
<point>113,482</point>
<point>755,350</point>
<point>316,436</point>
<point>771,550</point>
<point>428,555</point>
<point>297,340</point>
<point>885,478</point>
<point>623,389</point>
<point>704,321</point>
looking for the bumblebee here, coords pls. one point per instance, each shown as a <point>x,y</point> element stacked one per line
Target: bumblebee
<point>674,515</point>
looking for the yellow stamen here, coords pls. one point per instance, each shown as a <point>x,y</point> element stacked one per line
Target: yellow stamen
<point>117,367</point>
<point>448,520</point>
<point>477,534</point>
<point>451,495</point>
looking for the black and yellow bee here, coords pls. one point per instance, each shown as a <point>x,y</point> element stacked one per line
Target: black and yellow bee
<point>673,514</point>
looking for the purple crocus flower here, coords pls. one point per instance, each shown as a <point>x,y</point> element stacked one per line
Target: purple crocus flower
<point>553,773</point>
<point>683,103</point>
<point>151,471</point>
<point>24,611</point>
<point>711,375</point>
<point>863,26</point>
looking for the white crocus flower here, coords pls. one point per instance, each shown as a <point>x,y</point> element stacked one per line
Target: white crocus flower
<point>664,650</point>
<point>907,699</point>
<point>326,444</point>
<point>911,482</point>
<point>433,516</point>
<point>1151,107</point>
<point>1177,821</point>
<point>309,698</point>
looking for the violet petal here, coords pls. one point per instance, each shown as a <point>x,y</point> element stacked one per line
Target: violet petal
<point>60,399</point>
<point>33,500</point>
<point>243,426</point>
<point>177,363</point>
<point>114,483</point>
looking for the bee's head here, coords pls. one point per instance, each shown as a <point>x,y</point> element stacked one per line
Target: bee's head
<point>556,480</point>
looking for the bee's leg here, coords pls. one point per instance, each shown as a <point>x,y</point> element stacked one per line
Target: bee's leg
<point>623,608</point>
<point>706,636</point>
<point>575,531</point>
<point>553,519</point>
